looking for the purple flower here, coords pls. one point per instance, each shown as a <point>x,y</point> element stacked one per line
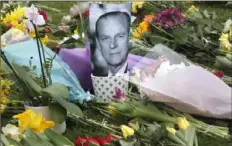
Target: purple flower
<point>169,17</point>
<point>118,93</point>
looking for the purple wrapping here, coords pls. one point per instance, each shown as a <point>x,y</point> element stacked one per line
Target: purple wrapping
<point>79,61</point>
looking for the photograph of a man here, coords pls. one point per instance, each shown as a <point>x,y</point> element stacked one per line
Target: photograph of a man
<point>112,34</point>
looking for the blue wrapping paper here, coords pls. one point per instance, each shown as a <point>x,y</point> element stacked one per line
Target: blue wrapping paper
<point>21,53</point>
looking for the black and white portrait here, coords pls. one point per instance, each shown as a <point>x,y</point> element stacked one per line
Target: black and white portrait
<point>109,38</point>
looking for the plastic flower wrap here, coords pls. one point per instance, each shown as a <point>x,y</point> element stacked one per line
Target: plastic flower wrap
<point>174,80</point>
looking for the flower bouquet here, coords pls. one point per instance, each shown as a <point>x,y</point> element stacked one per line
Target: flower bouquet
<point>176,81</point>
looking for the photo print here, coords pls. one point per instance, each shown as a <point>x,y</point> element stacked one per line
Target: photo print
<point>109,38</point>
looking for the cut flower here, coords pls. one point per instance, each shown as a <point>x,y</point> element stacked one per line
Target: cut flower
<point>169,18</point>
<point>34,121</point>
<point>127,131</point>
<point>11,131</point>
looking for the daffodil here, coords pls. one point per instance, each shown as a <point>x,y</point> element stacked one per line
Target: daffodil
<point>127,131</point>
<point>4,100</point>
<point>136,6</point>
<point>11,131</point>
<point>34,121</point>
<point>192,9</point>
<point>45,39</point>
<point>5,87</point>
<point>140,30</point>
<point>171,130</point>
<point>225,42</point>
<point>182,123</point>
<point>112,110</point>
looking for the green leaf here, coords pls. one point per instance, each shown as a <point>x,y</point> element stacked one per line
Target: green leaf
<point>58,112</point>
<point>180,35</point>
<point>199,54</point>
<point>13,142</point>
<point>206,14</point>
<point>70,107</point>
<point>29,84</point>
<point>190,135</point>
<point>127,143</point>
<point>157,39</point>
<point>59,33</point>
<point>55,91</point>
<point>154,132</point>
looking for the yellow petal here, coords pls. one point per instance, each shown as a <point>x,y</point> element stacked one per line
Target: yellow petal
<point>182,123</point>
<point>171,130</point>
<point>127,131</point>
<point>35,120</point>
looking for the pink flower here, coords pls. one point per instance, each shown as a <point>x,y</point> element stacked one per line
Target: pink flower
<point>169,17</point>
<point>118,93</point>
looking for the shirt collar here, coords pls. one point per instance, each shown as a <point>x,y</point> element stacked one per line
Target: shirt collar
<point>121,71</point>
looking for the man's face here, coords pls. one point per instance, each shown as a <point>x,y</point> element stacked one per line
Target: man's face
<point>113,39</point>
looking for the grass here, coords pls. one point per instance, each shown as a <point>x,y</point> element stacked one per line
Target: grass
<point>223,14</point>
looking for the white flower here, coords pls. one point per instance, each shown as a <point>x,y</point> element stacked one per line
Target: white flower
<point>32,15</point>
<point>11,131</point>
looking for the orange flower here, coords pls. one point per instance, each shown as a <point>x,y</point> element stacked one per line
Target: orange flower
<point>148,18</point>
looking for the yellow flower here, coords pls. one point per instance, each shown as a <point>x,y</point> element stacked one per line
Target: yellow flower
<point>3,106</point>
<point>224,41</point>
<point>5,87</point>
<point>76,31</point>
<point>45,39</point>
<point>192,9</point>
<point>4,100</point>
<point>136,5</point>
<point>230,33</point>
<point>182,123</point>
<point>13,17</point>
<point>140,30</point>
<point>32,33</point>
<point>112,110</point>
<point>127,131</point>
<point>171,130</point>
<point>34,121</point>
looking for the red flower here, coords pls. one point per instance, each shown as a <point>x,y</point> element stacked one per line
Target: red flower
<point>86,13</point>
<point>219,74</point>
<point>169,17</point>
<point>47,30</point>
<point>9,26</point>
<point>44,14</point>
<point>104,141</point>
<point>56,49</point>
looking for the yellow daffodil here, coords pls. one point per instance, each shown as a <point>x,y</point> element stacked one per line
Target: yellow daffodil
<point>140,30</point>
<point>136,5</point>
<point>127,131</point>
<point>3,107</point>
<point>45,39</point>
<point>182,123</point>
<point>5,87</point>
<point>11,131</point>
<point>225,42</point>
<point>112,110</point>
<point>171,130</point>
<point>34,121</point>
<point>4,100</point>
<point>192,9</point>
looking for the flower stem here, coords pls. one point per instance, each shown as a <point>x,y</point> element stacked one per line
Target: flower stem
<point>40,57</point>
